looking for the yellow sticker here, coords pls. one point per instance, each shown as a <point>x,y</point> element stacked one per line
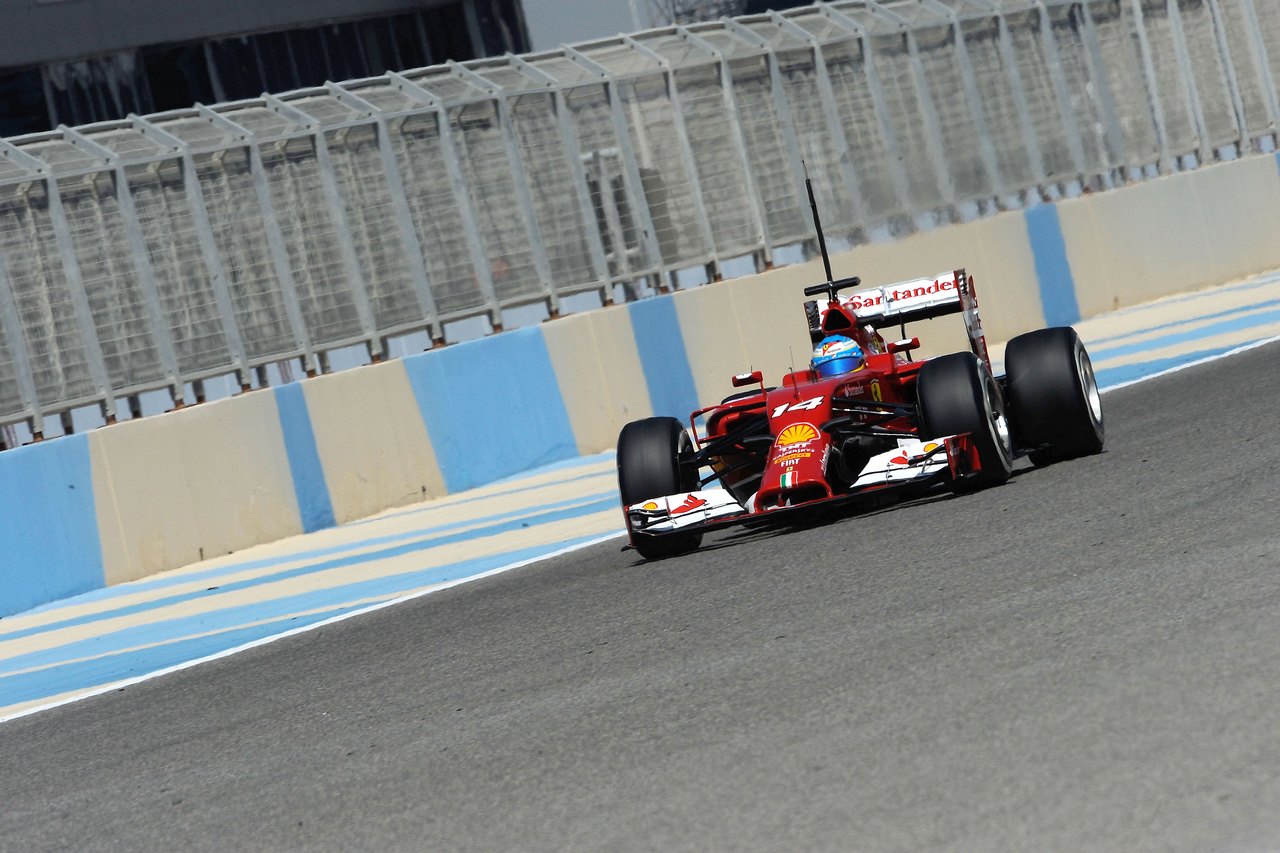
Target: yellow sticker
<point>797,434</point>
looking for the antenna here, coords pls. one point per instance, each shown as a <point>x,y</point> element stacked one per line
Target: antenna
<point>794,385</point>
<point>817,225</point>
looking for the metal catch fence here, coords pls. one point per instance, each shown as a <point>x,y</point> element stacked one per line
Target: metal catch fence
<point>161,250</point>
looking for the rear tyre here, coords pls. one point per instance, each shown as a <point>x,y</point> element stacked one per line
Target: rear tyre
<point>1053,395</point>
<point>957,393</point>
<point>654,460</point>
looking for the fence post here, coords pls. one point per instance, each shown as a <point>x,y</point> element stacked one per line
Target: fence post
<point>781,106</point>
<point>985,147</point>
<point>831,111</point>
<point>631,166</point>
<point>275,239</point>
<point>12,325</point>
<point>1188,74</point>
<point>208,249</point>
<point>161,332</point>
<point>686,147</point>
<point>403,215</point>
<point>738,137</point>
<point>897,171</point>
<point>1263,62</point>
<point>461,197</point>
<point>573,152</point>
<point>1153,88</point>
<point>1114,134</point>
<point>1233,80</point>
<point>75,284</point>
<point>520,181</point>
<point>933,128</point>
<point>342,231</point>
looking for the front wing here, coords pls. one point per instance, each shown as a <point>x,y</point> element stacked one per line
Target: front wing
<point>912,465</point>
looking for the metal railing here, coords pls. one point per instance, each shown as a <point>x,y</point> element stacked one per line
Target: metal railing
<point>156,251</point>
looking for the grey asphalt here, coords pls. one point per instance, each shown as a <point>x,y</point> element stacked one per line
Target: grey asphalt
<point>1087,658</point>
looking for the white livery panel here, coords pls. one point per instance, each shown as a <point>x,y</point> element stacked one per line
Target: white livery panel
<point>913,460</point>
<point>664,515</point>
<point>881,305</point>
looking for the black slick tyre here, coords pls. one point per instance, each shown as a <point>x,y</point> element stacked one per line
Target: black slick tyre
<point>653,462</point>
<point>1054,403</point>
<point>957,393</point>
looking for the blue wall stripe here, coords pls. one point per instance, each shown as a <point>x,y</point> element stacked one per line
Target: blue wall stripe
<point>49,546</point>
<point>309,484</point>
<point>1053,270</point>
<point>656,324</point>
<point>492,407</point>
<point>323,560</point>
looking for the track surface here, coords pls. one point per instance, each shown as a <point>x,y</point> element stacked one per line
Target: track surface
<point>1084,659</point>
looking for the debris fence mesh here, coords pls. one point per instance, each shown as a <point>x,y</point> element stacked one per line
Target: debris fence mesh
<point>146,253</point>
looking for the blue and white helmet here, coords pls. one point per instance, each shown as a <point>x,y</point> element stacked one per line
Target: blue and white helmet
<point>835,355</point>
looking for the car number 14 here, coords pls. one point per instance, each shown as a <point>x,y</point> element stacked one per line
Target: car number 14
<point>803,406</point>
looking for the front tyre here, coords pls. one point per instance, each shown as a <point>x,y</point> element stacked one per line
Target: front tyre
<point>1053,395</point>
<point>654,461</point>
<point>957,393</point>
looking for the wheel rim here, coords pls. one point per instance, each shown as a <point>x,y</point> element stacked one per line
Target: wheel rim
<point>999,422</point>
<point>1003,438</point>
<point>1089,384</point>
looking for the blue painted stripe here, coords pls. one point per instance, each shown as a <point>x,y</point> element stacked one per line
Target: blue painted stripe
<point>1053,270</point>
<point>492,407</point>
<point>660,343</point>
<point>101,660</point>
<point>1110,376</point>
<point>85,675</point>
<point>1278,159</point>
<point>429,508</point>
<point>1182,324</point>
<point>314,506</point>
<point>171,579</point>
<point>337,557</point>
<point>49,546</point>
<point>1236,324</point>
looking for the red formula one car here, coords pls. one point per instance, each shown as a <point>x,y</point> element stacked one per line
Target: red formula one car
<point>863,422</point>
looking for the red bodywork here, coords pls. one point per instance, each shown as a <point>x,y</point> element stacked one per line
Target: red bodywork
<point>800,465</point>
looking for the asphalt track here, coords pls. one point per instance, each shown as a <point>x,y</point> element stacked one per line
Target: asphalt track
<point>1083,659</point>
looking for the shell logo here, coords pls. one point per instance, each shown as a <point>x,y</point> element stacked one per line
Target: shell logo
<point>651,506</point>
<point>797,434</point>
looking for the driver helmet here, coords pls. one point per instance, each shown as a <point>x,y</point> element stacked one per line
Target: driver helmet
<point>835,355</point>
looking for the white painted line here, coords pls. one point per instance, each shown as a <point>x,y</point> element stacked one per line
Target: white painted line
<point>262,641</point>
<point>1196,363</point>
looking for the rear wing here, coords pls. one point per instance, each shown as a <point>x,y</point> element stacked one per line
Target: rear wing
<point>909,301</point>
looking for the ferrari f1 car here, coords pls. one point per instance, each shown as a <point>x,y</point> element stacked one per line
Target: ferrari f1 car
<point>877,426</point>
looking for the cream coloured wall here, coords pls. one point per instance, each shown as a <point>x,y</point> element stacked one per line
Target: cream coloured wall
<point>177,488</point>
<point>372,441</point>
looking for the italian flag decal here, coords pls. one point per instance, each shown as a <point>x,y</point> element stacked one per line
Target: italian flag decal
<point>788,480</point>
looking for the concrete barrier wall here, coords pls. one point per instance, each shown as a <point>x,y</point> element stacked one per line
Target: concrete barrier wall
<point>49,546</point>
<point>144,496</point>
<point>371,440</point>
<point>1174,234</point>
<point>177,488</point>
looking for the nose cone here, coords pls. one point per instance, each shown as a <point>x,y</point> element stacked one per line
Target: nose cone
<point>797,468</point>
